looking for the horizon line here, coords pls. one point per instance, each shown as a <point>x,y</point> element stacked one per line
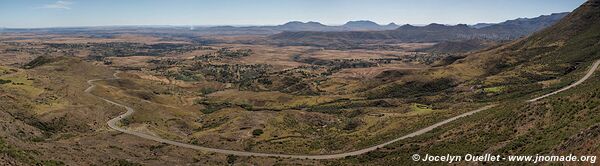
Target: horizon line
<point>256,25</point>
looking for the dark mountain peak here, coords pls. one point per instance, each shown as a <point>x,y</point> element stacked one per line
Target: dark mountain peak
<point>362,24</point>
<point>391,26</point>
<point>303,26</point>
<point>314,23</point>
<point>462,25</point>
<point>407,26</point>
<point>435,25</point>
<point>293,23</point>
<point>299,23</point>
<point>482,25</point>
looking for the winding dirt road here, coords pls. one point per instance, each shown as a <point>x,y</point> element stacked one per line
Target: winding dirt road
<point>113,124</point>
<point>587,75</point>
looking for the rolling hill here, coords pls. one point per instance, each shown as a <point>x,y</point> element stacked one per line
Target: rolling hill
<point>245,99</point>
<point>559,125</point>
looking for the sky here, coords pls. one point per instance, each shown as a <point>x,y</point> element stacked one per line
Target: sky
<point>68,13</point>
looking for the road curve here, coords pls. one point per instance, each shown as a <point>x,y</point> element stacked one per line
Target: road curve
<point>113,124</point>
<point>587,75</point>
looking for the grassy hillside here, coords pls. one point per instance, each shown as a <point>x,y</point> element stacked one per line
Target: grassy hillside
<point>559,125</point>
<point>47,119</point>
<point>540,63</point>
<point>301,100</point>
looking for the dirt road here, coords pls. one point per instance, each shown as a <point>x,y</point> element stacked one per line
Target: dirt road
<point>113,123</point>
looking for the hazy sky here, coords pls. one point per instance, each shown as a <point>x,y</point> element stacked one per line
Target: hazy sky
<point>53,13</point>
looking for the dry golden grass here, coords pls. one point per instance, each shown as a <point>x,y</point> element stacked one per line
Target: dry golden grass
<point>374,71</point>
<point>171,109</point>
<point>130,61</point>
<point>409,46</point>
<point>274,100</point>
<point>352,54</point>
<point>279,57</point>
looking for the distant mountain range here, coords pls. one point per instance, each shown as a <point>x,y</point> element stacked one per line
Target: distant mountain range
<point>348,35</point>
<point>569,44</point>
<point>365,25</point>
<point>296,26</point>
<point>507,30</point>
<point>517,27</point>
<point>544,20</point>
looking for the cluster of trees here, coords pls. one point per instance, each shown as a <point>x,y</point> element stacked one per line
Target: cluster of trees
<point>123,49</point>
<point>428,59</point>
<point>30,48</point>
<point>226,73</point>
<point>234,53</point>
<point>224,53</point>
<point>4,81</point>
<point>336,63</point>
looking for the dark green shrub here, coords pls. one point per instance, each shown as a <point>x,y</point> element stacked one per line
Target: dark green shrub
<point>4,81</point>
<point>257,132</point>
